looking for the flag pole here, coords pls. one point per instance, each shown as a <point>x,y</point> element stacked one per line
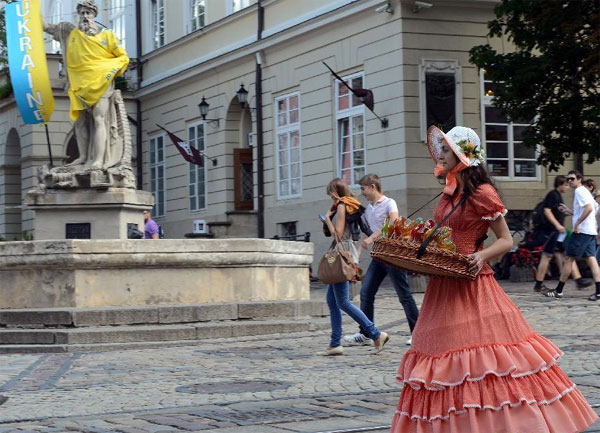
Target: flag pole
<point>49,147</point>
<point>214,160</point>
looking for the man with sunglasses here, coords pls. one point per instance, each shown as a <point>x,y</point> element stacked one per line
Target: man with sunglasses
<point>583,240</point>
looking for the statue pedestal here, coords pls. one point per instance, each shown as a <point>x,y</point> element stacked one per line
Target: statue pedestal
<point>88,214</point>
<point>137,272</point>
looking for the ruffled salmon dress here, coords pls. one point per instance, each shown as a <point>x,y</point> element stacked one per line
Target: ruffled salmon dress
<point>475,365</point>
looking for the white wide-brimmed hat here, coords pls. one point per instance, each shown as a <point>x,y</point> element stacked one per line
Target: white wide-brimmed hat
<point>463,141</point>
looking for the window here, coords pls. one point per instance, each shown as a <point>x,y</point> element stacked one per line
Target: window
<point>288,229</point>
<point>440,92</point>
<point>289,158</point>
<point>507,157</point>
<point>158,23</point>
<point>116,19</point>
<point>197,187</point>
<point>197,14</point>
<point>350,118</point>
<point>157,174</point>
<point>236,5</point>
<point>56,12</point>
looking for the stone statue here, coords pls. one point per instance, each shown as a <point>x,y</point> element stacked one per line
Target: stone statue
<point>93,58</point>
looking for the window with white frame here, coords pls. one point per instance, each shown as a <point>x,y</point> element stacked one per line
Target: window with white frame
<point>507,157</point>
<point>236,5</point>
<point>158,23</point>
<point>440,95</point>
<point>289,158</point>
<point>350,119</point>
<point>197,10</point>
<point>116,19</point>
<point>157,175</point>
<point>56,12</point>
<point>197,186</point>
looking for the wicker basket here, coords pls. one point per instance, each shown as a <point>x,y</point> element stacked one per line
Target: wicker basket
<point>402,254</point>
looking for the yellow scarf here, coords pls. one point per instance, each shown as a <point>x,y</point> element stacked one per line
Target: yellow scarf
<point>92,63</point>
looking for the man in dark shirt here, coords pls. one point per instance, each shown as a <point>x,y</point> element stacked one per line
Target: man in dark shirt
<point>552,228</point>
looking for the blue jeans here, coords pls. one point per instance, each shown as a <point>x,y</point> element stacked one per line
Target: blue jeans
<point>370,285</point>
<point>338,300</point>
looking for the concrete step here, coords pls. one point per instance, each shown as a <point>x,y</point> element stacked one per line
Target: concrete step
<point>68,339</point>
<point>159,314</point>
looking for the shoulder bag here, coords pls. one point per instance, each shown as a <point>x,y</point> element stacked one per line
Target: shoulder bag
<point>337,264</point>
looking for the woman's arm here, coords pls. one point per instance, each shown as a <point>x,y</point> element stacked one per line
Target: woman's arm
<point>340,221</point>
<point>503,244</point>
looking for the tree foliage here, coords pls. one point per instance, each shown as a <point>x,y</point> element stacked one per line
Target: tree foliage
<point>3,50</point>
<point>5,89</point>
<point>3,53</point>
<point>552,76</point>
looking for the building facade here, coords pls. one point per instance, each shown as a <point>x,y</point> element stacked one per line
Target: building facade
<point>413,58</point>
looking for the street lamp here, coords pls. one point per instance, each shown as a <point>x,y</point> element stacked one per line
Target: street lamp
<point>242,96</point>
<point>203,107</point>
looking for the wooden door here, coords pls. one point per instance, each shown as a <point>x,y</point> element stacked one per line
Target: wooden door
<point>243,179</point>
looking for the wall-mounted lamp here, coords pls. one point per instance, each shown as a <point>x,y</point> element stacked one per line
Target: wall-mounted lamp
<point>203,107</point>
<point>385,8</point>
<point>242,96</point>
<point>418,5</point>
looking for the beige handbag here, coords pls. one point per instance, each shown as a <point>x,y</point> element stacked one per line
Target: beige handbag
<point>337,265</point>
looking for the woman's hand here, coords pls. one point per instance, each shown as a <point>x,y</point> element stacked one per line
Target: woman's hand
<point>328,214</point>
<point>475,262</point>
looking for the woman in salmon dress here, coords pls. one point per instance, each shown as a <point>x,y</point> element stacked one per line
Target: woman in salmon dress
<point>475,365</point>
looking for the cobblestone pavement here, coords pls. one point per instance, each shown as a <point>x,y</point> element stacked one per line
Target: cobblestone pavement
<point>258,384</point>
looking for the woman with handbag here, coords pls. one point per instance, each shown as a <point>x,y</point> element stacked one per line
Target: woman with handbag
<point>475,365</point>
<point>338,266</point>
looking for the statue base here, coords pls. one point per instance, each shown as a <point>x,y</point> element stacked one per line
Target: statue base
<point>88,214</point>
<point>103,273</point>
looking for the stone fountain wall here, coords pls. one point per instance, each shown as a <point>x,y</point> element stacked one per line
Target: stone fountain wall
<point>102,273</point>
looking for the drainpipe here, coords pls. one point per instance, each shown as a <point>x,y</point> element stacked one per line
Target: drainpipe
<point>259,128</point>
<point>140,68</point>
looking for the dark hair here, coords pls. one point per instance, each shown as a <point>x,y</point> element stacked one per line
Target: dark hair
<point>577,174</point>
<point>590,183</point>
<point>559,180</point>
<point>472,177</point>
<point>371,179</point>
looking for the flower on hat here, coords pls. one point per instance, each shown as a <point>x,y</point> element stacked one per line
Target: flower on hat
<point>471,150</point>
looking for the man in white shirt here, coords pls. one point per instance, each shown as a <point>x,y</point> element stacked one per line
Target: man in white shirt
<point>379,208</point>
<point>583,240</point>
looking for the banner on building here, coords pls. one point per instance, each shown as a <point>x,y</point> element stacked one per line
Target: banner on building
<point>27,61</point>
<point>189,153</point>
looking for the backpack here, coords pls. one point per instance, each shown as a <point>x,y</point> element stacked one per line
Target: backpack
<point>357,223</point>
<point>538,218</point>
<point>161,234</point>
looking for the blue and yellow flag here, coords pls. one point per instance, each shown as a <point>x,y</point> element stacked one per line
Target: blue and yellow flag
<point>27,61</point>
